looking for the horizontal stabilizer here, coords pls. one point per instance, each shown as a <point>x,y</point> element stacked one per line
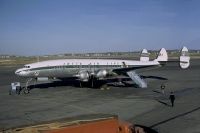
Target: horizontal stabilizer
<point>184,58</point>
<point>137,79</point>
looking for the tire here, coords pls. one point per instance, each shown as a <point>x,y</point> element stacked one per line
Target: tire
<point>26,91</point>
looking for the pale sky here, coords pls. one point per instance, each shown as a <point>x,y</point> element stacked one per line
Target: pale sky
<point>40,27</point>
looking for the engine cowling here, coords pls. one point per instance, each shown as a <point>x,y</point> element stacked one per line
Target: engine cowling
<point>84,76</point>
<point>101,74</point>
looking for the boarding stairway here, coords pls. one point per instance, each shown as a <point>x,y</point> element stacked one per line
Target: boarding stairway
<point>137,79</point>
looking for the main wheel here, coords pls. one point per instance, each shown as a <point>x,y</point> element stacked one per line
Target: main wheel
<point>26,91</point>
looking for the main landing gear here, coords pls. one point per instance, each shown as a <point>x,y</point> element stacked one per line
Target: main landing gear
<point>90,83</point>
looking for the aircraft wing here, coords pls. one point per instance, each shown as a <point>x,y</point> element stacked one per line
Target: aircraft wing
<point>127,69</point>
<point>130,71</point>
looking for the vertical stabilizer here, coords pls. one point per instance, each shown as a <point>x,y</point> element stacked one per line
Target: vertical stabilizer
<point>162,56</point>
<point>184,58</point>
<point>144,56</point>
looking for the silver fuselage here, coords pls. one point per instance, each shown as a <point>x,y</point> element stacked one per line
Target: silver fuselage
<point>71,67</point>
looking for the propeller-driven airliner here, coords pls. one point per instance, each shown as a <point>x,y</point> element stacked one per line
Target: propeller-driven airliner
<point>85,70</point>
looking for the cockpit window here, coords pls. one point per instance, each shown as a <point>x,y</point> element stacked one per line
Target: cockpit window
<point>26,66</point>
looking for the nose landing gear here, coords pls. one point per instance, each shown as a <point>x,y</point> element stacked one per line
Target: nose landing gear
<point>26,89</point>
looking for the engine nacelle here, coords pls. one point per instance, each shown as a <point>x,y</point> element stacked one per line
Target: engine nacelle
<point>84,76</point>
<point>101,74</point>
<point>42,79</point>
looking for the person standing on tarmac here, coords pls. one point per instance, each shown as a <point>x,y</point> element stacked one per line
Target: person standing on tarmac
<point>172,98</point>
<point>162,87</point>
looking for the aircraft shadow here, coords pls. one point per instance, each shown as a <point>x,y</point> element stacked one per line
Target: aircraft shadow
<point>97,83</point>
<point>154,77</point>
<point>75,83</point>
<point>61,83</point>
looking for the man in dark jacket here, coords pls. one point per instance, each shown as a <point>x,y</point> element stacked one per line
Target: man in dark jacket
<point>172,98</point>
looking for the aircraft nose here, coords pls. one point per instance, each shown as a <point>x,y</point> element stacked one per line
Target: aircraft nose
<point>20,72</point>
<point>17,72</point>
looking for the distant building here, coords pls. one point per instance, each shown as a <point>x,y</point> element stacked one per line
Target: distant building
<point>5,56</point>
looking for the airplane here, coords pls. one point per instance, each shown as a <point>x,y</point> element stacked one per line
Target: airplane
<point>86,70</point>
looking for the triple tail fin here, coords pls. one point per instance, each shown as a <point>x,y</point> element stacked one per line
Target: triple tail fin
<point>184,61</point>
<point>184,58</point>
<point>144,56</point>
<point>162,56</point>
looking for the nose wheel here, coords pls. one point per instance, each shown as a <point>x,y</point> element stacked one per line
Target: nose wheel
<point>26,90</point>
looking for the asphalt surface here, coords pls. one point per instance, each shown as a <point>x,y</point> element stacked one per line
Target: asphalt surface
<point>148,107</point>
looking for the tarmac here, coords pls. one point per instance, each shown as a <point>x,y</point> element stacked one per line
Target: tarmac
<point>148,107</point>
